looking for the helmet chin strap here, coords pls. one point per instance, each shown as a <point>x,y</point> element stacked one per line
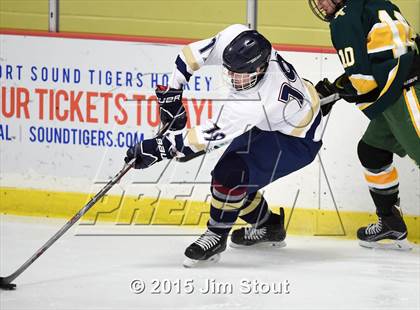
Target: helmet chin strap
<point>262,72</point>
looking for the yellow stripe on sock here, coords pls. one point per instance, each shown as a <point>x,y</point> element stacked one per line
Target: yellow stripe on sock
<point>383,178</point>
<point>226,205</point>
<point>252,206</point>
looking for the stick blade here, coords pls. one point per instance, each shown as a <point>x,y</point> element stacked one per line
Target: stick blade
<point>4,285</point>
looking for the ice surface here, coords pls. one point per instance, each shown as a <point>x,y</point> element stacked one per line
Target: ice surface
<point>95,271</point>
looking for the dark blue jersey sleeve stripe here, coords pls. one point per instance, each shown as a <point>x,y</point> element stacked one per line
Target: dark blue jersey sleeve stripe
<point>179,145</point>
<point>182,67</point>
<point>208,46</point>
<point>179,142</point>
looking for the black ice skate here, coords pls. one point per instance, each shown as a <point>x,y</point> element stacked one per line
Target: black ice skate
<point>390,232</point>
<point>271,233</point>
<point>205,249</point>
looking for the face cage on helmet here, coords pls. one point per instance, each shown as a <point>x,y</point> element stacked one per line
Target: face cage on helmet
<point>322,15</point>
<point>240,81</point>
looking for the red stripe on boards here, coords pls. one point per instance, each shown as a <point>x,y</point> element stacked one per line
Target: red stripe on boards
<point>146,39</point>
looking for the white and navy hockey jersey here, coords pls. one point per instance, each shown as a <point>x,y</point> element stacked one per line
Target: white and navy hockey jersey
<point>285,102</point>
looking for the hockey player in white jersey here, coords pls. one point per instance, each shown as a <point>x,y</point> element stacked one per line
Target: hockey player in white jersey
<point>269,137</point>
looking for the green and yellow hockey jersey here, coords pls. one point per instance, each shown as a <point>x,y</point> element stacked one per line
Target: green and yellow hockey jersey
<point>376,46</point>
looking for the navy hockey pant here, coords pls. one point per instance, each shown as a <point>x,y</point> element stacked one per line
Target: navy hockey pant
<point>252,161</point>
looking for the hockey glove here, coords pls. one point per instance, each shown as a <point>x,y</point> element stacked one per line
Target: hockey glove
<point>149,152</point>
<point>325,89</point>
<point>340,87</point>
<point>171,108</point>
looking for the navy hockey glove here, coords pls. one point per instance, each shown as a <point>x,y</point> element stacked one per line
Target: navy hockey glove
<point>149,152</point>
<point>171,108</point>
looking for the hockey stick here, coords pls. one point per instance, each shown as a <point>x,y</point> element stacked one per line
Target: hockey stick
<point>199,153</point>
<point>324,101</point>
<point>6,282</point>
<point>331,98</point>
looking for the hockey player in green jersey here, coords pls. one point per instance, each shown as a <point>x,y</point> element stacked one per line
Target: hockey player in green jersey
<point>379,51</point>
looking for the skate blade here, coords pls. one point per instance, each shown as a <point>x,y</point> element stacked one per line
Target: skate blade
<point>399,245</point>
<point>190,263</point>
<point>264,245</point>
